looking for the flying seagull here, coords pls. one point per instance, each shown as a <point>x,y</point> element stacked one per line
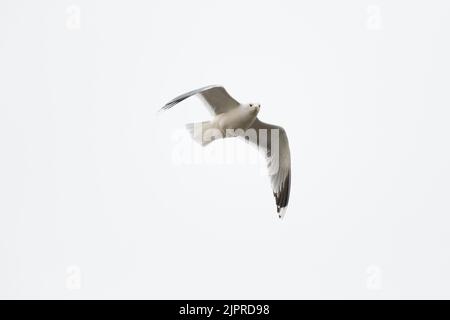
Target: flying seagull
<point>233,119</point>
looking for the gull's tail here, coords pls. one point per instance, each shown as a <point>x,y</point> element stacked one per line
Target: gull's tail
<point>203,132</point>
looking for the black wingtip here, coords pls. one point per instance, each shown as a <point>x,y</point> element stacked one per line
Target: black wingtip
<point>166,107</point>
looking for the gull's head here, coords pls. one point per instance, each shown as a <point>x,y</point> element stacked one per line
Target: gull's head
<point>254,107</point>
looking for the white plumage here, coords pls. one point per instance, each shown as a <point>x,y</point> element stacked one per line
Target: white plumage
<point>233,119</point>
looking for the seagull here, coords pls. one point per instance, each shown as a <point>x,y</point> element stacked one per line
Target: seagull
<point>233,119</point>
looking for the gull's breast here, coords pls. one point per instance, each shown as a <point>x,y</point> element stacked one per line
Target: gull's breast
<point>235,119</point>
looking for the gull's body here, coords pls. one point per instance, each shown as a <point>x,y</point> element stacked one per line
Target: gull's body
<point>233,119</point>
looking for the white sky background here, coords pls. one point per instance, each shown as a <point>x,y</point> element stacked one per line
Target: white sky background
<point>94,206</point>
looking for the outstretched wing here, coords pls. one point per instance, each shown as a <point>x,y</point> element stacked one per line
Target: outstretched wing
<point>278,156</point>
<point>216,97</point>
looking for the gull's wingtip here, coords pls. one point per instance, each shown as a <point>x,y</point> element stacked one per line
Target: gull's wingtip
<point>160,110</point>
<point>164,108</point>
<point>281,212</point>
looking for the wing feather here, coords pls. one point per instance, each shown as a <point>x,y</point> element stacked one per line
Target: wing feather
<point>278,162</point>
<point>217,99</point>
